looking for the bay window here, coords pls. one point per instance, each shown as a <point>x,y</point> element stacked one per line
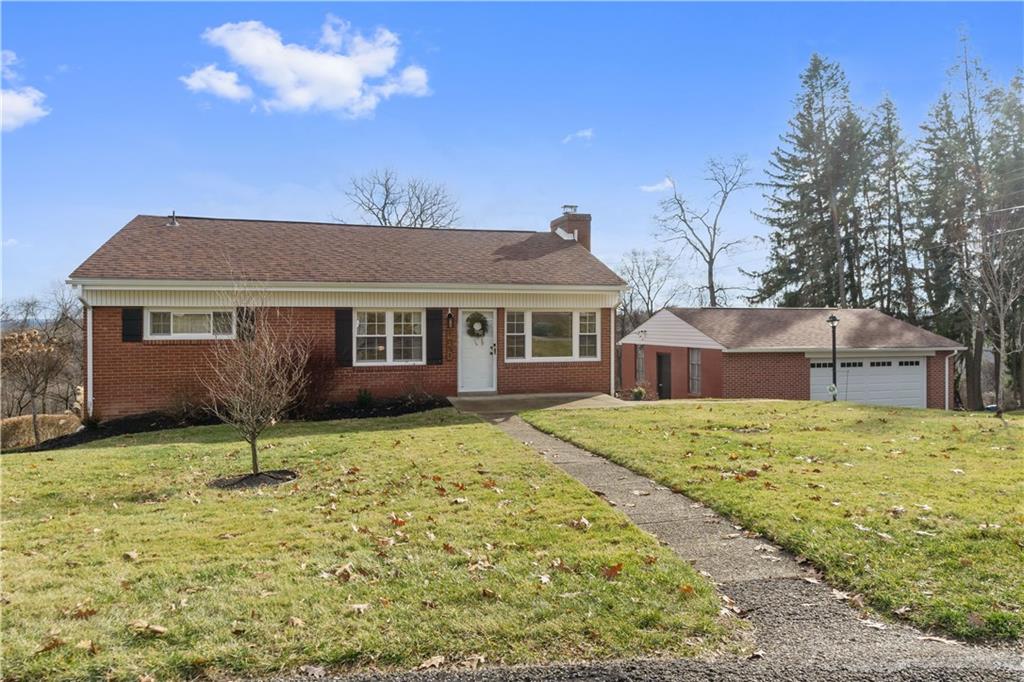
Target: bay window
<point>389,337</point>
<point>550,335</point>
<point>189,324</point>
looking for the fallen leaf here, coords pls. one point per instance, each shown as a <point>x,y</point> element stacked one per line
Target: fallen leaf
<point>932,638</point>
<point>51,642</point>
<point>130,556</point>
<point>610,572</point>
<point>687,589</point>
<point>88,645</point>
<point>360,608</point>
<point>650,559</point>
<point>545,579</point>
<point>760,653</point>
<point>314,671</point>
<point>472,662</point>
<point>296,622</point>
<point>580,524</point>
<point>432,662</point>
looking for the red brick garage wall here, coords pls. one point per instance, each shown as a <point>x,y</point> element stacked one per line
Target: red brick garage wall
<point>937,392</point>
<point>766,375</point>
<point>711,370</point>
<point>589,376</point>
<point>153,376</point>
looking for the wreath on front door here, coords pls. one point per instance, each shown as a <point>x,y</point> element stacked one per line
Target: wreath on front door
<point>477,325</point>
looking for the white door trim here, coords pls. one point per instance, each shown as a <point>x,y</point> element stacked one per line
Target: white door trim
<point>463,313</point>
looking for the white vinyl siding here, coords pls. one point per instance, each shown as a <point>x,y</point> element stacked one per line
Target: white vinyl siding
<point>665,329</point>
<point>552,335</point>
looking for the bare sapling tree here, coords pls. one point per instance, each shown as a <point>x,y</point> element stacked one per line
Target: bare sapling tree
<point>997,282</point>
<point>701,230</point>
<point>32,357</point>
<point>384,199</point>
<point>652,284</point>
<point>253,380</point>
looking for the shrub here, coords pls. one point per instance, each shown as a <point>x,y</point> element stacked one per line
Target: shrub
<point>639,393</point>
<point>364,399</point>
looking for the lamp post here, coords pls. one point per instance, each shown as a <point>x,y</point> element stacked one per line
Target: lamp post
<point>833,322</point>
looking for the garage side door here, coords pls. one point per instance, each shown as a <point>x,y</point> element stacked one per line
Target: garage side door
<point>877,381</point>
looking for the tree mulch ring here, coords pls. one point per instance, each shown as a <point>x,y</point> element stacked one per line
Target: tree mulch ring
<point>275,477</point>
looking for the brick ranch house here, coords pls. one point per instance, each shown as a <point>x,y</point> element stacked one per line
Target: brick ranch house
<point>787,353</point>
<point>390,310</point>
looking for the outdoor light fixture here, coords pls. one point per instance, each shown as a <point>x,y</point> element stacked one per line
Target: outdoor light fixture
<point>451,318</point>
<point>833,322</point>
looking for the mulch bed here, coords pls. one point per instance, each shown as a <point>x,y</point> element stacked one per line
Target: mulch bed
<point>275,477</point>
<point>154,421</point>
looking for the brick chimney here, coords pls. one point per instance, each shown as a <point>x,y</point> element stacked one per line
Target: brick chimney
<point>573,225</point>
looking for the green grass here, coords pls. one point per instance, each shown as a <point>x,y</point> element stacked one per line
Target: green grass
<point>920,511</point>
<point>242,581</point>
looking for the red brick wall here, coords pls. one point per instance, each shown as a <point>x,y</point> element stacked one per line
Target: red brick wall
<point>150,376</point>
<point>711,370</point>
<point>937,365</point>
<point>556,377</point>
<point>766,375</point>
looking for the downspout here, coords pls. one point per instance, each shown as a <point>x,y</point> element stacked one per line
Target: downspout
<point>88,351</point>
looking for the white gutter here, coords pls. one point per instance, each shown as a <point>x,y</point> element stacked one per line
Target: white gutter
<point>822,349</point>
<point>361,287</point>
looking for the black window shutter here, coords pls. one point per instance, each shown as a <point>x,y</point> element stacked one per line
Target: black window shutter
<point>435,337</point>
<point>131,324</point>
<point>343,336</point>
<point>245,323</point>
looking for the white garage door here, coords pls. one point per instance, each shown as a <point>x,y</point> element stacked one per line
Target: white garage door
<point>878,381</point>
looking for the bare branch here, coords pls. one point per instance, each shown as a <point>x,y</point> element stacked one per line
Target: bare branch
<point>385,200</point>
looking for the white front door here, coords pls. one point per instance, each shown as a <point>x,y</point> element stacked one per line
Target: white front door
<point>877,381</point>
<point>477,354</point>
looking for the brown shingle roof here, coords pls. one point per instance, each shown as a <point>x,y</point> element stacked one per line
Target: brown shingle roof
<point>806,328</point>
<point>214,249</point>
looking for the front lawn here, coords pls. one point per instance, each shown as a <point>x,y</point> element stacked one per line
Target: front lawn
<point>920,511</point>
<point>405,539</point>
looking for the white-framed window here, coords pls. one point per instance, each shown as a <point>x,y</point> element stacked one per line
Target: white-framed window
<point>389,337</point>
<point>189,324</point>
<point>552,335</point>
<point>695,371</point>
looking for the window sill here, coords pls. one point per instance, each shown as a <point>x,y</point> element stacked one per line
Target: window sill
<point>411,363</point>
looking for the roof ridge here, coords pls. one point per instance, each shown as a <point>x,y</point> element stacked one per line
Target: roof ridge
<point>332,224</point>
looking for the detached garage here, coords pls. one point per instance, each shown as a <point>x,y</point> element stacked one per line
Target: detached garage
<point>787,353</point>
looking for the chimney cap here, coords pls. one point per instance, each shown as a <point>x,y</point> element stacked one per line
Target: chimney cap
<point>568,209</point>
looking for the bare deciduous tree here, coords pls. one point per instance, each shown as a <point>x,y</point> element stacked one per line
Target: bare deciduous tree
<point>653,284</point>
<point>997,282</point>
<point>701,231</point>
<point>58,318</point>
<point>383,198</point>
<point>254,380</point>
<point>32,358</point>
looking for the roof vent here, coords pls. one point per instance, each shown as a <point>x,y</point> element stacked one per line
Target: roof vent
<point>172,220</point>
<point>568,209</point>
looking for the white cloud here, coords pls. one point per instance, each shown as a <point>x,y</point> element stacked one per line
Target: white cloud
<point>221,83</point>
<point>585,134</point>
<point>348,73</point>
<point>10,243</point>
<point>7,61</point>
<point>21,105</point>
<point>663,186</point>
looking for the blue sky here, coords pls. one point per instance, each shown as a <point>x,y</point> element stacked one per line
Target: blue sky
<point>492,94</point>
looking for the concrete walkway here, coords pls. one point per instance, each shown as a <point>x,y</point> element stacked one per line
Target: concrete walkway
<point>799,621</point>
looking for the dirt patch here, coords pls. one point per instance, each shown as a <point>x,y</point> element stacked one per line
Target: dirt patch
<point>275,477</point>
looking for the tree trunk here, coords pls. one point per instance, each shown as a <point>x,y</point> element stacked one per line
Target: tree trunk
<point>255,457</point>
<point>712,296</point>
<point>1001,402</point>
<point>972,372</point>
<point>838,236</point>
<point>35,422</point>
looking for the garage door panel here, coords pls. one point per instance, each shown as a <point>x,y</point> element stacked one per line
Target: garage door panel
<point>900,382</point>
